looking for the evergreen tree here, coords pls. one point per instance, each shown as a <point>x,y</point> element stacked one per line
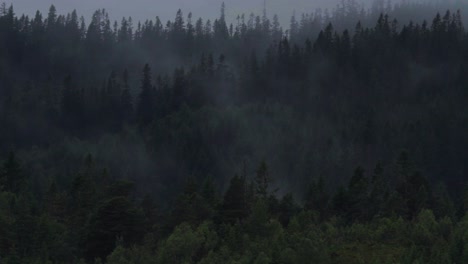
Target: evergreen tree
<point>262,181</point>
<point>234,206</point>
<point>114,218</point>
<point>11,175</point>
<point>442,203</point>
<point>72,105</point>
<point>341,202</point>
<point>126,101</point>
<point>51,18</point>
<point>378,191</point>
<point>145,105</point>
<point>317,198</point>
<point>287,209</point>
<point>358,196</point>
<point>220,27</point>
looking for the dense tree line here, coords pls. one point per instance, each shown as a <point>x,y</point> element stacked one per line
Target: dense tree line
<point>97,219</point>
<point>120,142</point>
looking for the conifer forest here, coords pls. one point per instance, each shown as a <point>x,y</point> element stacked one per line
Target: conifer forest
<point>340,137</point>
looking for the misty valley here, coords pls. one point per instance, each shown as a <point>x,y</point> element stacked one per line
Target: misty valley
<point>341,137</point>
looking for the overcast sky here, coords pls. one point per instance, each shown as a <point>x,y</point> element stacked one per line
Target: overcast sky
<point>166,9</point>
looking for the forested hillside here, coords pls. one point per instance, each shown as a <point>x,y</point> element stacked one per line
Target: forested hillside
<point>340,138</point>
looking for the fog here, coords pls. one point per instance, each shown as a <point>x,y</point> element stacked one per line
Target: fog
<point>148,9</point>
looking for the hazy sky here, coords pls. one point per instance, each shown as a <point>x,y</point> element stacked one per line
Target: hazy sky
<point>166,9</point>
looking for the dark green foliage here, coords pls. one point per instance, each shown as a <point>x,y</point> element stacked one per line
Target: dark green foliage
<point>340,201</point>
<point>11,177</point>
<point>191,206</point>
<point>126,100</point>
<point>72,105</point>
<point>102,221</point>
<point>235,205</point>
<point>262,181</point>
<point>412,187</point>
<point>317,99</point>
<point>442,202</point>
<point>397,84</point>
<point>317,199</point>
<point>287,209</point>
<point>358,201</point>
<point>378,191</point>
<point>145,104</point>
<point>114,218</point>
<point>121,188</point>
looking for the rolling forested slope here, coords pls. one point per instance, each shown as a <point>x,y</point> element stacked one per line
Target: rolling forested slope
<point>340,138</point>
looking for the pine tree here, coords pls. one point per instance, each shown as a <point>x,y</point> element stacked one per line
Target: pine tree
<point>276,30</point>
<point>358,196</point>
<point>208,192</point>
<point>234,206</point>
<point>114,218</point>
<point>412,187</point>
<point>51,18</point>
<point>72,105</point>
<point>262,181</point>
<point>316,198</point>
<point>220,28</point>
<point>293,27</point>
<point>145,104</point>
<point>11,175</point>
<point>287,209</point>
<point>442,202</point>
<point>341,202</point>
<point>126,101</point>
<point>179,88</point>
<point>56,202</point>
<point>378,191</point>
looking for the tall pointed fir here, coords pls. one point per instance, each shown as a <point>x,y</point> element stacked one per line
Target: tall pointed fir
<point>145,104</point>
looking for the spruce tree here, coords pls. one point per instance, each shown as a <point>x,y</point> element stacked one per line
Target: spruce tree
<point>145,105</point>
<point>262,181</point>
<point>11,175</point>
